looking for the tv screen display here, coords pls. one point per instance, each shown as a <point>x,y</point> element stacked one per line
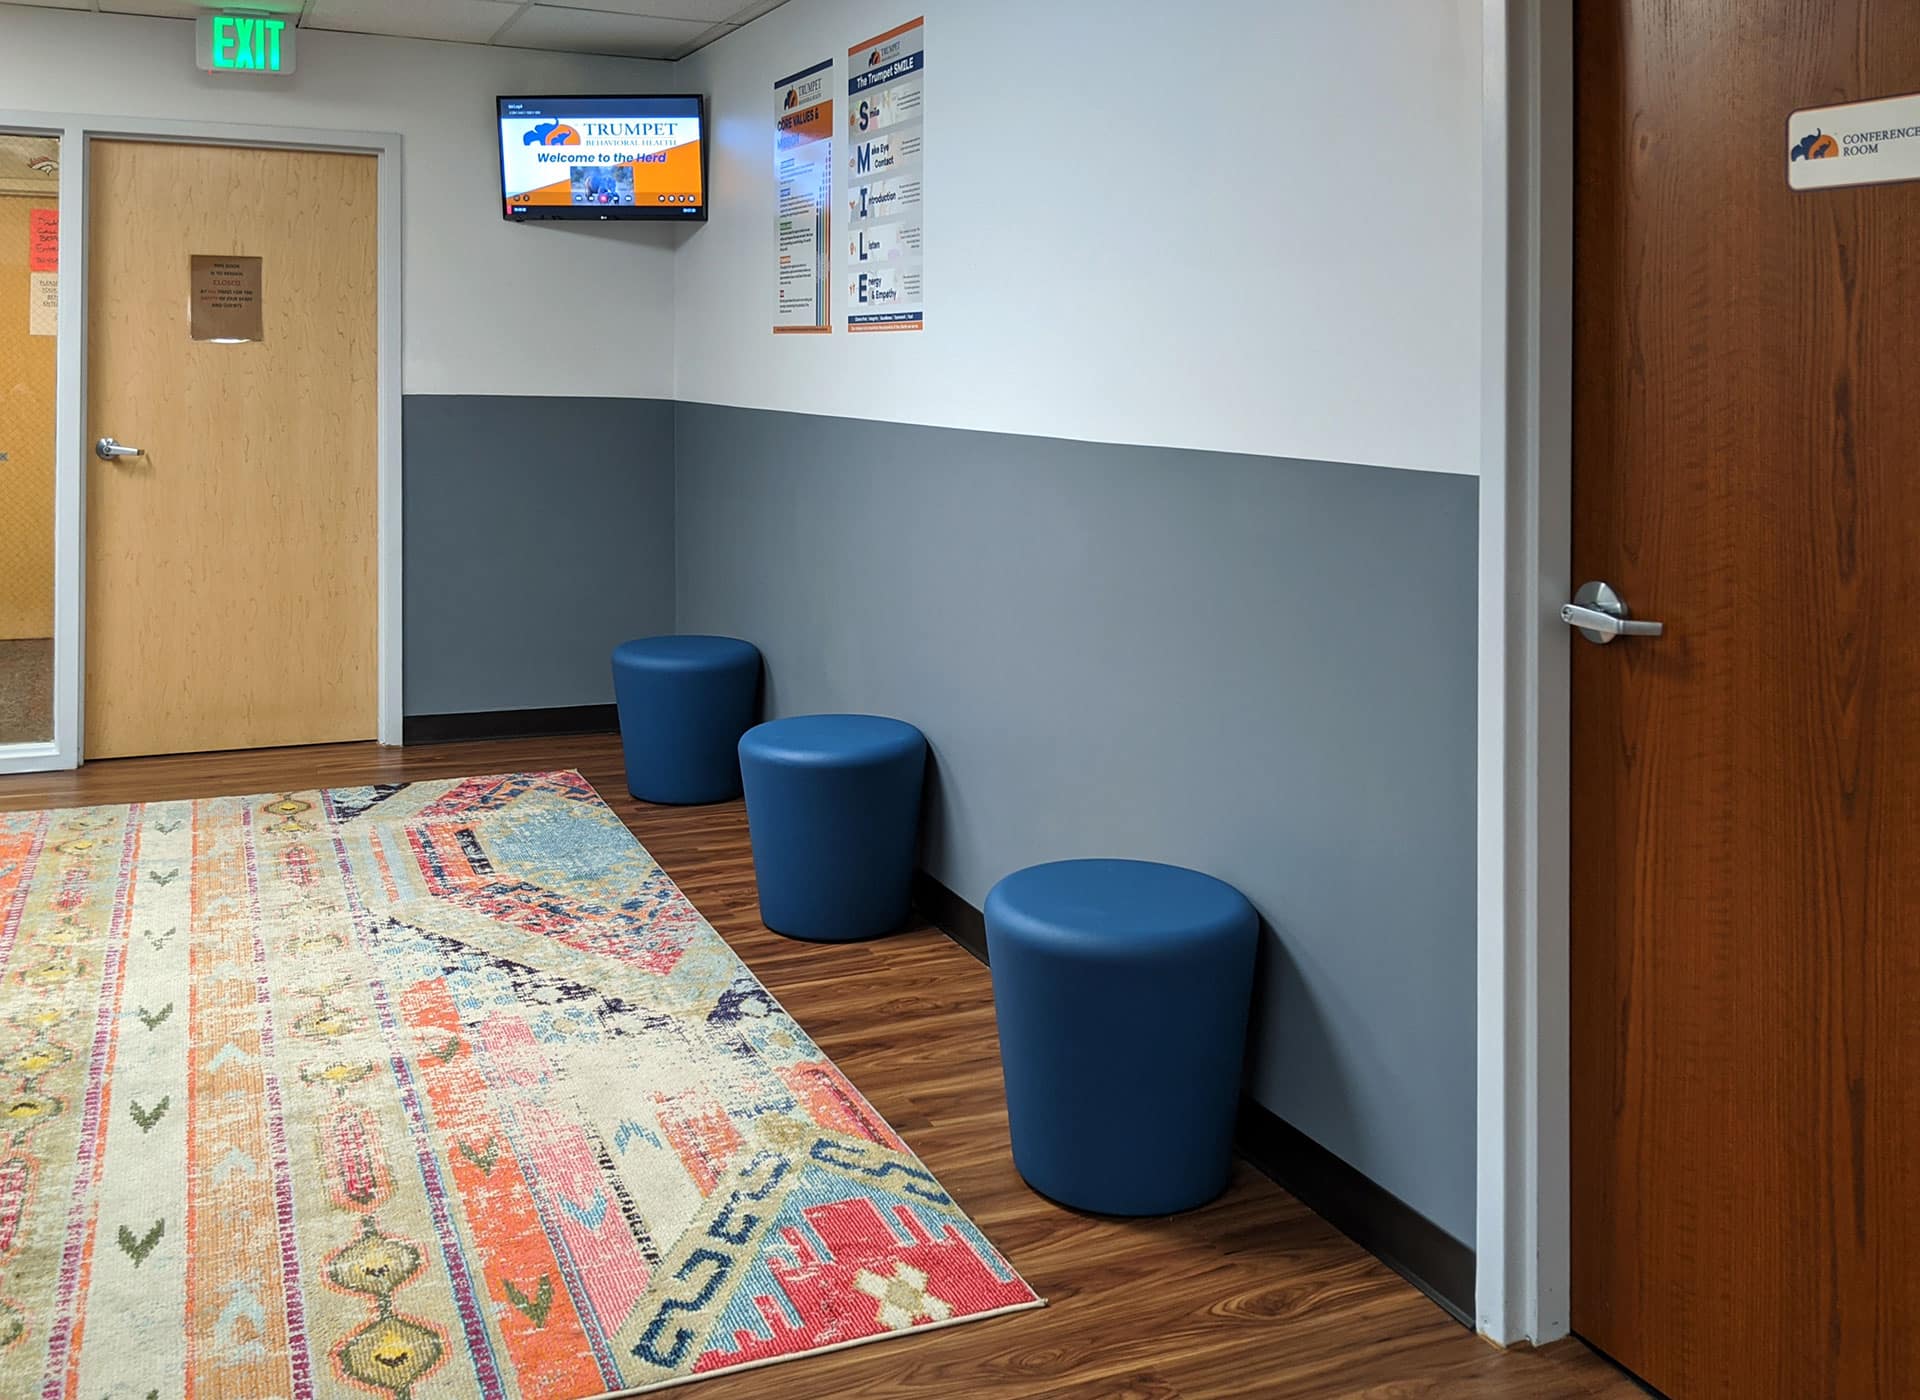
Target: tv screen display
<point>602,158</point>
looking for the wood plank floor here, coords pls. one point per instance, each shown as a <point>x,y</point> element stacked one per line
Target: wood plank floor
<point>1251,1296</point>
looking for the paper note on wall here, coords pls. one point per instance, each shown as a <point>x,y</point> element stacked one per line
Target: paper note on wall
<point>43,303</point>
<point>43,240</point>
<point>225,304</point>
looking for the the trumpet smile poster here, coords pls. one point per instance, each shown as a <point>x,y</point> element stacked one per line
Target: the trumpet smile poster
<point>886,288</point>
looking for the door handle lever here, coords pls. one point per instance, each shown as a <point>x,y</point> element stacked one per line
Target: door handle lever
<point>1601,615</point>
<point>108,450</point>
<point>1593,620</point>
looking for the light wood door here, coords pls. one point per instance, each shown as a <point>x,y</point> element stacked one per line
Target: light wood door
<point>27,404</point>
<point>231,570</point>
<point>1746,788</point>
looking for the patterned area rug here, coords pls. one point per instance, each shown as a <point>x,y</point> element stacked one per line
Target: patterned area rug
<point>434,1090</point>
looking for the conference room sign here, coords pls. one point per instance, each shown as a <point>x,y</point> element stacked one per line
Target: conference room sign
<point>1854,143</point>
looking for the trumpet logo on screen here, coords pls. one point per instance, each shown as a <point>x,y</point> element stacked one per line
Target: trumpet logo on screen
<point>551,134</point>
<point>793,98</point>
<point>873,59</point>
<point>1815,147</point>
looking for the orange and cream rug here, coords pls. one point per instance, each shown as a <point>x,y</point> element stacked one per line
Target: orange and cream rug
<point>434,1090</point>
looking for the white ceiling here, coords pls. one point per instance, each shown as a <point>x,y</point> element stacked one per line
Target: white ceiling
<point>631,28</point>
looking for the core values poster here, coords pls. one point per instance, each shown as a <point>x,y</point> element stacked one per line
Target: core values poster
<point>886,285</point>
<point>802,200</point>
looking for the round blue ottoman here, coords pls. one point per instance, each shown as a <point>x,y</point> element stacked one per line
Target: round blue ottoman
<point>684,703</point>
<point>1121,988</point>
<point>833,808</point>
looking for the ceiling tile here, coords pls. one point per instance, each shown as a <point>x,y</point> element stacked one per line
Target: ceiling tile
<point>706,11</point>
<point>707,38</point>
<point>598,31</point>
<point>190,9</point>
<point>665,29</point>
<point>754,10</point>
<point>462,21</point>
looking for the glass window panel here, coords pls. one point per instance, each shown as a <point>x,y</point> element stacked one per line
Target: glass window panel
<point>29,309</point>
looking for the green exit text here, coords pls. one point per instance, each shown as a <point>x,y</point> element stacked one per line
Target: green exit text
<point>242,43</point>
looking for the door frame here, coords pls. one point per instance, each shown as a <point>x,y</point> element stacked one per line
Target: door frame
<point>1523,1234</point>
<point>77,132</point>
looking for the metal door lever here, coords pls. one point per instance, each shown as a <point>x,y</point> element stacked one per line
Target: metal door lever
<point>107,450</point>
<point>1601,615</point>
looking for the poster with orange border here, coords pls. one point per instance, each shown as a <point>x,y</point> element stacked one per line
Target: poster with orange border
<point>803,202</point>
<point>886,230</point>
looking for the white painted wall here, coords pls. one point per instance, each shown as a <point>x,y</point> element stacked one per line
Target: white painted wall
<point>1224,240</point>
<point>490,308</point>
<point>1244,225</point>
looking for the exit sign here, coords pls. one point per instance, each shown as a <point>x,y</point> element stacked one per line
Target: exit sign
<point>246,43</point>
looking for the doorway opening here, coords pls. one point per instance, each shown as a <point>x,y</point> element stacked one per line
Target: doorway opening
<point>367,585</point>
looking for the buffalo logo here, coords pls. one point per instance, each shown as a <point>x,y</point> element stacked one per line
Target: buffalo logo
<point>551,134</point>
<point>1815,147</point>
<point>793,98</point>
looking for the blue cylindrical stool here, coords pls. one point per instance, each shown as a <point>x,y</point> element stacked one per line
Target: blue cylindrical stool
<point>1121,988</point>
<point>833,807</point>
<point>684,703</point>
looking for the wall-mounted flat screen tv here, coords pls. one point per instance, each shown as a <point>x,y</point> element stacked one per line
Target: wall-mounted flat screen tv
<point>603,158</point>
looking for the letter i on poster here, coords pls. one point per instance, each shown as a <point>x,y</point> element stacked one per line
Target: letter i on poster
<point>803,201</point>
<point>886,280</point>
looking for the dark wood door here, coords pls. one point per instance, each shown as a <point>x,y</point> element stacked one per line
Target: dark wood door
<point>1746,788</point>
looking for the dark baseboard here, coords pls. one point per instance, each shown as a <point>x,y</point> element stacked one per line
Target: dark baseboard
<point>1365,1212</point>
<point>951,914</point>
<point>511,724</point>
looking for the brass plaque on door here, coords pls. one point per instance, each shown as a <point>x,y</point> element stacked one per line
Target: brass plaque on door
<point>225,301</point>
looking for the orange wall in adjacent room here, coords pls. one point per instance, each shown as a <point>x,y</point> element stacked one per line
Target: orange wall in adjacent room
<point>26,435</point>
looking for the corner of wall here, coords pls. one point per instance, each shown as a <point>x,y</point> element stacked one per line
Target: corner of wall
<point>679,546</point>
